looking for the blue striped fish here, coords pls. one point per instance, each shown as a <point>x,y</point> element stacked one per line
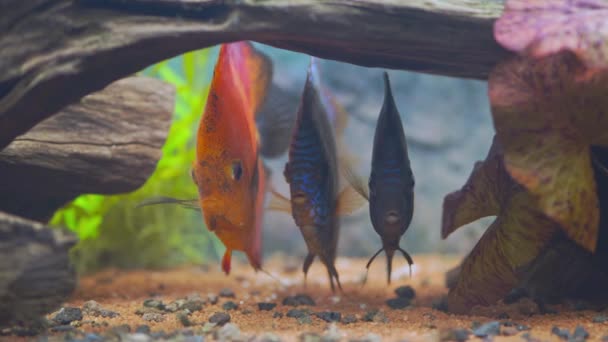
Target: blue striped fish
<point>312,172</point>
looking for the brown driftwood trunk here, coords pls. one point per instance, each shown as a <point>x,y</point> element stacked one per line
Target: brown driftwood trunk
<point>108,143</point>
<point>56,51</point>
<point>35,273</point>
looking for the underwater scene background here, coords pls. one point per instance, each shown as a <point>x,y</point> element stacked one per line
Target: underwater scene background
<point>446,122</point>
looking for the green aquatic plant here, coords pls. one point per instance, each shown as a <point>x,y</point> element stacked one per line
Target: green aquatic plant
<point>112,230</point>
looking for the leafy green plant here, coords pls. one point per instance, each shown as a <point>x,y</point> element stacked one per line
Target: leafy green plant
<point>113,231</point>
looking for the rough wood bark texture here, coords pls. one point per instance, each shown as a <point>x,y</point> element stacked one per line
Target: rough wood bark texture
<point>109,142</point>
<point>35,272</point>
<point>56,51</point>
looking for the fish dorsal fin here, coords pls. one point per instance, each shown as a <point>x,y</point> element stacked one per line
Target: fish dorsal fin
<point>338,113</point>
<point>275,120</point>
<point>259,67</point>
<point>348,201</point>
<point>186,203</point>
<point>278,202</point>
<point>353,179</point>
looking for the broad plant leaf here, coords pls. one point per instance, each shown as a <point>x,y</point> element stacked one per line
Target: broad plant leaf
<point>544,27</point>
<point>513,240</point>
<point>546,118</point>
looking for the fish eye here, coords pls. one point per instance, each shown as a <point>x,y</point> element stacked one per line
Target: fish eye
<point>237,170</point>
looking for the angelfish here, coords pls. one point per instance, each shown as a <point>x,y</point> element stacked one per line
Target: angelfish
<point>228,169</point>
<point>391,182</point>
<point>313,177</point>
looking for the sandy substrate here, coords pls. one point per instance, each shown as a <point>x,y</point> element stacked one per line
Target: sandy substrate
<point>125,291</point>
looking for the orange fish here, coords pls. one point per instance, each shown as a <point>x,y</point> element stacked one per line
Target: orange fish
<point>240,124</point>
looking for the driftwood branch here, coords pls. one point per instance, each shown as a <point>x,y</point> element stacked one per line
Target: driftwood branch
<point>35,272</point>
<point>107,143</point>
<point>56,51</point>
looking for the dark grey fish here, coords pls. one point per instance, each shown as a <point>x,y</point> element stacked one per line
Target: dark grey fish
<point>391,183</point>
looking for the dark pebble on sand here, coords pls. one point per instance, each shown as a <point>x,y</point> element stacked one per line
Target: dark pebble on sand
<point>487,329</point>
<point>212,298</point>
<point>564,334</point>
<point>219,318</point>
<point>226,292</point>
<point>277,314</point>
<point>230,305</point>
<point>309,337</point>
<point>93,308</point>
<point>580,334</point>
<point>329,316</point>
<point>296,313</point>
<point>92,337</point>
<point>183,318</point>
<point>62,328</point>
<point>67,315</point>
<point>458,335</point>
<point>266,306</point>
<point>306,319</point>
<point>405,292</point>
<point>299,299</point>
<point>348,319</point>
<point>522,327</point>
<point>143,329</point>
<point>440,304</point>
<point>154,303</point>
<point>600,319</point>
<point>375,316</point>
<point>398,303</point>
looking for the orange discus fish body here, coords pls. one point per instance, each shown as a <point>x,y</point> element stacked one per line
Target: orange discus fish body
<point>228,171</point>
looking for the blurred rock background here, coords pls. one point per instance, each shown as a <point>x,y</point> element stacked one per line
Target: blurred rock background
<point>448,127</point>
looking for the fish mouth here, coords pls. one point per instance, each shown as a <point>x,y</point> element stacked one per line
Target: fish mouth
<point>392,217</point>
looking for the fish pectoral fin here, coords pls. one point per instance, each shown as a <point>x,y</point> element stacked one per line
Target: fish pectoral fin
<point>353,179</point>
<point>278,202</point>
<point>349,200</point>
<point>275,120</point>
<point>185,203</point>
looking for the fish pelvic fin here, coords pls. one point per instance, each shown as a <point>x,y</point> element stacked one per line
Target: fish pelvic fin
<point>348,201</point>
<point>278,202</point>
<point>353,179</point>
<point>192,204</point>
<point>226,261</point>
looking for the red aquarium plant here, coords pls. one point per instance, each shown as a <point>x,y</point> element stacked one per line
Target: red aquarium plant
<point>550,106</point>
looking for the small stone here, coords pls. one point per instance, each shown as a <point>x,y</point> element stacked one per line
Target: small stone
<point>175,305</point>
<point>375,316</point>
<point>509,331</point>
<point>522,327</point>
<point>580,334</point>
<point>405,292</point>
<point>458,335</point>
<point>306,319</point>
<point>348,319</point>
<point>208,327</point>
<point>213,298</point>
<point>153,317</point>
<point>277,314</point>
<point>371,337</point>
<point>63,328</point>
<point>229,332</point>
<point>600,319</point>
<point>193,304</point>
<point>227,292</point>
<point>120,329</point>
<point>247,312</point>
<point>155,304</point>
<point>230,305</point>
<point>329,316</point>
<point>219,318</point>
<point>183,318</point>
<point>142,329</point>
<point>564,334</point>
<point>488,329</point>
<point>93,308</point>
<point>268,337</point>
<point>605,338</point>
<point>67,315</point>
<point>266,306</point>
<point>440,304</point>
<point>137,337</point>
<point>332,334</point>
<point>299,299</point>
<point>309,337</point>
<point>398,303</point>
<point>296,313</point>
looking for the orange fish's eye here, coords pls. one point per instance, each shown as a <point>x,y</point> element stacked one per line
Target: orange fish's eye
<point>237,170</point>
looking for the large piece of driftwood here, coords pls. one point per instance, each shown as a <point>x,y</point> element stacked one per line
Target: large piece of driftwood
<point>107,143</point>
<point>35,272</point>
<point>56,51</point>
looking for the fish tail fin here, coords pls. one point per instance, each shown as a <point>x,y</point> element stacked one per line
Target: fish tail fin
<point>389,263</point>
<point>226,261</point>
<point>306,266</point>
<point>333,274</point>
<point>373,257</point>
